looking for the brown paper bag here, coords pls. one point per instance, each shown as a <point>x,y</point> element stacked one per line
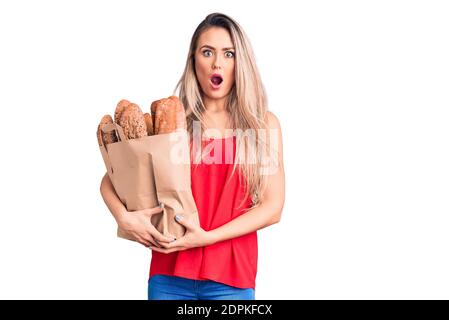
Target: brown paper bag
<point>152,170</point>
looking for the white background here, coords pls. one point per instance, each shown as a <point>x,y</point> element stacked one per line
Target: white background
<point>361,91</point>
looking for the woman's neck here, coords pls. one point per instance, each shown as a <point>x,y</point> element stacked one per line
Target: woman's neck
<point>214,105</point>
<point>216,119</point>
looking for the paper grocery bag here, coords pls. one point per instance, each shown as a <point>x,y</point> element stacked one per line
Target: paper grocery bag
<point>152,170</point>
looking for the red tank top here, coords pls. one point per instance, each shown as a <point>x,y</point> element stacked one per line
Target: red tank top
<point>220,197</point>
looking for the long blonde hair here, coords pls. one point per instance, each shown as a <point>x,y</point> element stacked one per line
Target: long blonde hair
<point>246,102</point>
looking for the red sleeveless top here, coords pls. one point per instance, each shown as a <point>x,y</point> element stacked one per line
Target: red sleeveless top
<point>220,197</point>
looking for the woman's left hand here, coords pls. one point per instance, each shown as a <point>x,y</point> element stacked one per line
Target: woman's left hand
<point>195,236</point>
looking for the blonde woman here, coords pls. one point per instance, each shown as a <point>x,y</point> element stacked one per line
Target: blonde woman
<point>237,174</point>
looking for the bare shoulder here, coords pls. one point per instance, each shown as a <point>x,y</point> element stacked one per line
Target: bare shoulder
<point>272,121</point>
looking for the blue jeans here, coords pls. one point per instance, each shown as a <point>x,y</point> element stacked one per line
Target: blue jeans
<point>163,287</point>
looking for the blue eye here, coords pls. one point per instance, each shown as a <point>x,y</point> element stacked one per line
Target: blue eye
<point>204,51</point>
<point>232,54</point>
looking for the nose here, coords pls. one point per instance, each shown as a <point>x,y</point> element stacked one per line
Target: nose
<point>216,63</point>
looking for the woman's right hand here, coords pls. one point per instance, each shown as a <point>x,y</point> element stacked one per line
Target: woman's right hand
<point>137,226</point>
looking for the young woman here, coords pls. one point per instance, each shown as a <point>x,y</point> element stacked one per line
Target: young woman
<point>237,174</point>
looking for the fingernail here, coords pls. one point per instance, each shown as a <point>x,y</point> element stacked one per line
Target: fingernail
<point>161,205</point>
<point>178,217</point>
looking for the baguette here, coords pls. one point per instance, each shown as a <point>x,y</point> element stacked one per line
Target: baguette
<point>149,123</point>
<point>108,137</point>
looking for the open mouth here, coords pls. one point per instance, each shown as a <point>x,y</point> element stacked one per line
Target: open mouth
<point>216,79</point>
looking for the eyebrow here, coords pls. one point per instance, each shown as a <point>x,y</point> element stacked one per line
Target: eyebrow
<point>224,49</point>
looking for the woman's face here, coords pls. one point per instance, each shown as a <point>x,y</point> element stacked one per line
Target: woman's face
<point>214,55</point>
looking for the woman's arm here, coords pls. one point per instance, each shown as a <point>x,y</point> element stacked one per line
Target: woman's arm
<point>267,213</point>
<point>137,224</point>
<point>111,199</point>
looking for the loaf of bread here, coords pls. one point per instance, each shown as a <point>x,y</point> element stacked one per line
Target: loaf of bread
<point>108,137</point>
<point>168,115</point>
<point>181,122</point>
<point>119,109</point>
<point>132,122</point>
